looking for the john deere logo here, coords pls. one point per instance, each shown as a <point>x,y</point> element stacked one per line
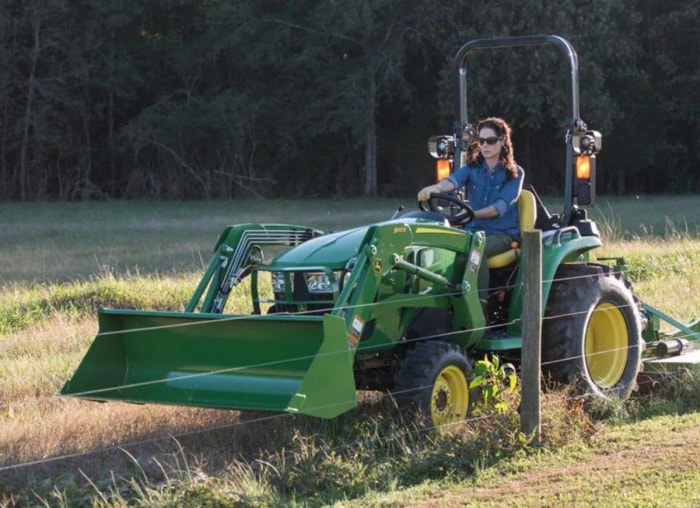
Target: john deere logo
<point>377,265</point>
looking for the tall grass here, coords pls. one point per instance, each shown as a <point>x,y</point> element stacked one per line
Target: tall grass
<point>24,305</point>
<point>306,462</point>
<point>373,457</point>
<point>652,218</point>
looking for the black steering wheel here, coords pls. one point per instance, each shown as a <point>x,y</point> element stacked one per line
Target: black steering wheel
<point>464,213</point>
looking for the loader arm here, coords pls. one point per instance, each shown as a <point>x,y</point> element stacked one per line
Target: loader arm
<point>383,287</point>
<point>238,250</point>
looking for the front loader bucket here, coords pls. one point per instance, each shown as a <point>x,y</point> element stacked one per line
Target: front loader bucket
<point>273,363</point>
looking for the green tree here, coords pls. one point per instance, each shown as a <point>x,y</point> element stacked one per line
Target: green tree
<point>338,61</point>
<point>208,99</point>
<point>670,43</point>
<point>367,47</point>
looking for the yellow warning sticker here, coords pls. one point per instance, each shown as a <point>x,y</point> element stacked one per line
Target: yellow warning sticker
<point>444,231</point>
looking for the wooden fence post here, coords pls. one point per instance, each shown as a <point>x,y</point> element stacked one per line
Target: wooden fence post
<point>531,352</point>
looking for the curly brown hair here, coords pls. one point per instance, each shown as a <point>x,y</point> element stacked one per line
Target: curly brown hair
<point>502,129</point>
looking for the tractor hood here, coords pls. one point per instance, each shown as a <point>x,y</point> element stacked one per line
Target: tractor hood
<point>332,250</point>
<point>335,249</point>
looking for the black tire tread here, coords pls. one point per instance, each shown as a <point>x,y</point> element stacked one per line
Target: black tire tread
<point>575,292</point>
<point>415,378</point>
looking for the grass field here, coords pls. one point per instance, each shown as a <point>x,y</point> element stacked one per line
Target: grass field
<point>58,242</point>
<point>59,262</point>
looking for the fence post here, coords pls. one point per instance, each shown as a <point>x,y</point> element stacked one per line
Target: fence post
<point>531,352</point>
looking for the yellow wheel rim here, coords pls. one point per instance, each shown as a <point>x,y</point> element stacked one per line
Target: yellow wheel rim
<point>607,345</point>
<point>450,397</point>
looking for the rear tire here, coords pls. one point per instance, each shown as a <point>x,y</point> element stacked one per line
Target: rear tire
<point>591,336</point>
<point>432,383</point>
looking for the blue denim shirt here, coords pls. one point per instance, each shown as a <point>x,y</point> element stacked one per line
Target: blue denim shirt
<point>484,190</point>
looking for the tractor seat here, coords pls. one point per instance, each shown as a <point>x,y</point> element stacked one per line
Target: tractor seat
<point>527,214</point>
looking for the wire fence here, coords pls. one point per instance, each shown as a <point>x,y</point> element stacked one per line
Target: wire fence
<point>258,420</point>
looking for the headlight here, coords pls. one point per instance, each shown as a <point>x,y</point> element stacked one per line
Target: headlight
<point>278,282</point>
<point>321,282</point>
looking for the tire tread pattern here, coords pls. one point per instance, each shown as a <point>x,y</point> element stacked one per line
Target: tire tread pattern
<point>576,291</point>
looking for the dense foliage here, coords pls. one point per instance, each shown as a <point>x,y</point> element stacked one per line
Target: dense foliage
<point>207,99</point>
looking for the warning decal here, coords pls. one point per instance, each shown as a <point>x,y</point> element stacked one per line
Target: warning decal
<point>474,260</point>
<point>355,331</point>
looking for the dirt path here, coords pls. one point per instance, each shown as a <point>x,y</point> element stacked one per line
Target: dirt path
<point>650,464</point>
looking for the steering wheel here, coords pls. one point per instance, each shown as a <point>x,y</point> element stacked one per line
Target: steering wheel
<point>464,215</point>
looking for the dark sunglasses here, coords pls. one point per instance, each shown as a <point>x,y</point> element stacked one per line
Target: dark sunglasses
<point>490,141</point>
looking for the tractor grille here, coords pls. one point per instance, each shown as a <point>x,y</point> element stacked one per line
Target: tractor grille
<point>308,304</point>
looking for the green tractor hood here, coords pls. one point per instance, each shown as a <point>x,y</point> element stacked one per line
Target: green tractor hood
<point>332,250</point>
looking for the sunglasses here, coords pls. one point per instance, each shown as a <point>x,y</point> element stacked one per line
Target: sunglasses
<point>490,141</point>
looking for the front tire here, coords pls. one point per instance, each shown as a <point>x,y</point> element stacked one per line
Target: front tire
<point>432,383</point>
<point>591,335</point>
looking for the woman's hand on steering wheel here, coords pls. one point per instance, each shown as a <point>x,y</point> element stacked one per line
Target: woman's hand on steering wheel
<point>464,215</point>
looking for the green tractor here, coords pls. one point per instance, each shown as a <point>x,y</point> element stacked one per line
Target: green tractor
<point>392,306</point>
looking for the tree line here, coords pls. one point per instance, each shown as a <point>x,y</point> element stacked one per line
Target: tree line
<point>211,99</point>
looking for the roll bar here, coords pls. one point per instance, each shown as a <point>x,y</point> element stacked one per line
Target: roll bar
<point>466,51</point>
<point>573,122</point>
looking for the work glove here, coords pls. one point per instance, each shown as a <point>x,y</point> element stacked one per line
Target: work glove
<point>424,193</point>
